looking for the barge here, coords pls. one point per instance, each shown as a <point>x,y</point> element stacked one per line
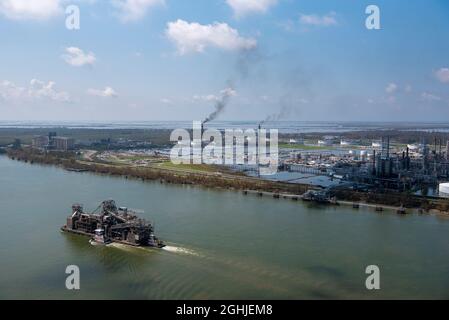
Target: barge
<point>109,223</point>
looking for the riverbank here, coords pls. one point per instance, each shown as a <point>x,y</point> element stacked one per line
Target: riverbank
<point>219,180</point>
<point>355,205</point>
<point>227,180</point>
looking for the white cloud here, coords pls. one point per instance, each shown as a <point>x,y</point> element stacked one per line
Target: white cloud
<point>245,7</point>
<point>229,92</point>
<point>195,37</point>
<point>429,97</point>
<point>208,97</point>
<point>107,92</point>
<point>318,21</point>
<point>36,90</point>
<point>132,10</point>
<point>77,58</point>
<point>166,101</point>
<point>39,89</point>
<point>9,91</point>
<point>443,75</point>
<point>391,88</point>
<point>30,9</point>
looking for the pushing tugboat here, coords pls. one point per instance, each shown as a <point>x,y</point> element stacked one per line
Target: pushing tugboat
<point>108,224</point>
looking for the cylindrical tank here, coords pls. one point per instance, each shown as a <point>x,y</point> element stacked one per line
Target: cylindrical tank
<point>444,189</point>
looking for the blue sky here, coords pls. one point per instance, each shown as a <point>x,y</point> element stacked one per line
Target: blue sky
<point>171,60</point>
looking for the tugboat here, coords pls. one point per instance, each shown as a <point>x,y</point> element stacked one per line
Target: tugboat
<point>108,224</point>
<point>100,238</point>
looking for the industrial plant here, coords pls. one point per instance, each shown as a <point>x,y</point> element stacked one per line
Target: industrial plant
<point>383,167</point>
<point>53,142</point>
<point>330,165</point>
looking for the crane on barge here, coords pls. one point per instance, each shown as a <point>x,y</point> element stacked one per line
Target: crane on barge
<point>109,223</point>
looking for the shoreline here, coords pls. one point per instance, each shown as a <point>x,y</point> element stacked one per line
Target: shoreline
<point>232,182</point>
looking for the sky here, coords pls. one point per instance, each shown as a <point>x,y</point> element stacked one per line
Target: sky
<point>153,60</point>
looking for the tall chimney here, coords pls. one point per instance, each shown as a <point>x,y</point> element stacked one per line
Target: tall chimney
<point>201,141</point>
<point>407,159</point>
<point>447,150</point>
<point>388,147</point>
<point>435,146</point>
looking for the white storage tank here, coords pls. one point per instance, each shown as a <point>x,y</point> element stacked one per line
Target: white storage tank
<point>444,189</point>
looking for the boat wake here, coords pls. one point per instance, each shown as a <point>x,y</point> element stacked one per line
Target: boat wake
<point>171,249</point>
<point>181,250</point>
<point>95,243</point>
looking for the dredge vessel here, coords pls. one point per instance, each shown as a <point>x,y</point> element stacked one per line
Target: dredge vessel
<point>109,223</point>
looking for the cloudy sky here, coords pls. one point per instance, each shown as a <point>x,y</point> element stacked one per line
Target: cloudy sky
<point>173,59</point>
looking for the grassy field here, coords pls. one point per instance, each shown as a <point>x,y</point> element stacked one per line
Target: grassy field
<point>187,167</point>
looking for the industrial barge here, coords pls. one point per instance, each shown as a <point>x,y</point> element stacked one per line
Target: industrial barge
<point>109,223</point>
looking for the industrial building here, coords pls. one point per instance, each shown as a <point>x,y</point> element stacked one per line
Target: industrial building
<point>53,142</point>
<point>63,143</point>
<point>40,142</point>
<point>416,168</point>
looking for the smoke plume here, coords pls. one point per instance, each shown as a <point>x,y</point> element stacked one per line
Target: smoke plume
<point>242,70</point>
<point>284,112</point>
<point>221,103</point>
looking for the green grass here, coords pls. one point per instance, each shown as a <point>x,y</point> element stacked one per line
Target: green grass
<point>187,167</point>
<point>135,158</point>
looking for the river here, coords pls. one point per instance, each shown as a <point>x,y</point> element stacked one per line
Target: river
<point>221,244</point>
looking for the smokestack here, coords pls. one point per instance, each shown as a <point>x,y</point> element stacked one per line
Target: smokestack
<point>258,150</point>
<point>388,147</point>
<point>435,146</point>
<point>407,159</point>
<point>447,150</point>
<point>404,161</point>
<point>201,141</point>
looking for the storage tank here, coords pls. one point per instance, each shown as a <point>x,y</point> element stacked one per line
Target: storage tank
<point>444,189</point>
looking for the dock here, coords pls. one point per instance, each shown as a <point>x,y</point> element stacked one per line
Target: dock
<point>355,205</point>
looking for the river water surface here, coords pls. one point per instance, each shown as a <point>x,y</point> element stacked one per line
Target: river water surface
<point>221,244</point>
